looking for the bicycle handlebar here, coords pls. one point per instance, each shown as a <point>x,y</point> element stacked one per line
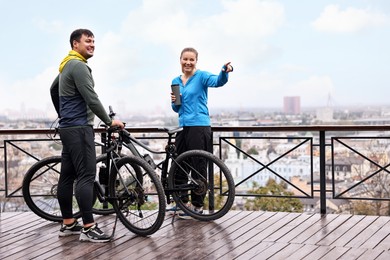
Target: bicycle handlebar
<point>127,135</point>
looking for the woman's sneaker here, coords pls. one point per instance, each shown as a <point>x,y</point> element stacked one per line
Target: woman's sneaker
<point>73,229</point>
<point>198,210</point>
<point>94,234</point>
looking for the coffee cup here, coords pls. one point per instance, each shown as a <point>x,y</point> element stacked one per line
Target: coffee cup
<point>176,92</point>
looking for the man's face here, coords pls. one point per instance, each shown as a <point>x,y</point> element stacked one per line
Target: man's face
<point>85,47</point>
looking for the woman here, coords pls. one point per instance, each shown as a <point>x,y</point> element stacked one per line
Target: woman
<point>193,111</point>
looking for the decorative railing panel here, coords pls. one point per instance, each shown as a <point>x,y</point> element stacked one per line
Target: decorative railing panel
<point>322,162</point>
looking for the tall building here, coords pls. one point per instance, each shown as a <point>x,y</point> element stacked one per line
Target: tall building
<point>292,105</point>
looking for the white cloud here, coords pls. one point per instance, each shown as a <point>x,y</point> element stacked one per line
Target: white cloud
<point>48,26</point>
<point>31,96</point>
<point>333,19</point>
<point>137,56</point>
<point>142,56</point>
<point>249,18</point>
<point>238,30</point>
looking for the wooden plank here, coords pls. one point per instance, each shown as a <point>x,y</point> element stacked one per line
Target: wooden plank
<point>260,222</point>
<point>304,251</point>
<point>257,234</point>
<point>336,253</point>
<point>327,228</point>
<point>210,236</point>
<point>314,228</point>
<point>352,253</point>
<point>288,227</point>
<point>139,245</point>
<point>354,231</point>
<point>62,247</point>
<point>385,243</point>
<point>384,256</point>
<point>371,254</point>
<point>367,232</point>
<point>260,247</point>
<point>300,228</point>
<point>68,248</point>
<point>13,225</point>
<point>260,251</point>
<point>286,252</point>
<point>155,246</point>
<point>318,253</point>
<point>379,236</point>
<point>238,235</point>
<point>340,230</point>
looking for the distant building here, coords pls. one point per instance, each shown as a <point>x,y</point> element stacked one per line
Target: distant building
<point>325,114</point>
<point>292,105</point>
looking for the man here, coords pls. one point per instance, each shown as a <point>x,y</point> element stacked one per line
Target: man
<point>77,103</point>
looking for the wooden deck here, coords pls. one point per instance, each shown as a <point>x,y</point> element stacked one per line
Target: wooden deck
<point>238,235</point>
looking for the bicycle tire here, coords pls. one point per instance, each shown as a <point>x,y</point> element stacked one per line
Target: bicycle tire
<point>217,196</point>
<point>40,189</point>
<point>138,195</point>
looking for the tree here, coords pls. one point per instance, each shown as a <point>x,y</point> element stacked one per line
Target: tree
<point>284,204</point>
<point>370,175</point>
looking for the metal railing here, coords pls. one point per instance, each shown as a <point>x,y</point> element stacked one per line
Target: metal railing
<point>321,144</point>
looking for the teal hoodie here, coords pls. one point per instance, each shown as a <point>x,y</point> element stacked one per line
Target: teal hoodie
<point>193,110</point>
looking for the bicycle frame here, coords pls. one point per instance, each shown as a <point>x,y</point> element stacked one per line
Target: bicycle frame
<point>130,142</point>
<point>186,179</point>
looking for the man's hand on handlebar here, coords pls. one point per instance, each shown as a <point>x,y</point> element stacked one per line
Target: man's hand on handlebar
<point>116,122</point>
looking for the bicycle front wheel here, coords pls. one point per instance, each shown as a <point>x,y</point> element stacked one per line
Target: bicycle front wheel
<point>40,189</point>
<point>201,185</point>
<point>137,195</point>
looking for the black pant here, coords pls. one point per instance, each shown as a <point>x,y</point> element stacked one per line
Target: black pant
<point>78,163</point>
<point>193,138</point>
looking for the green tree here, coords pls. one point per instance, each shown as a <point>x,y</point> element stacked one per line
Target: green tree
<point>273,203</point>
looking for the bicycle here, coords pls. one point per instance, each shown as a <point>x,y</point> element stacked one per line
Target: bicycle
<point>126,185</point>
<point>215,185</point>
<point>206,176</point>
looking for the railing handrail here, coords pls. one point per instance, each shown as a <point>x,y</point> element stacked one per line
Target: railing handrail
<point>307,128</point>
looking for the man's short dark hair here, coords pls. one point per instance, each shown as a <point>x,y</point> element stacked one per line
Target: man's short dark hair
<point>76,35</point>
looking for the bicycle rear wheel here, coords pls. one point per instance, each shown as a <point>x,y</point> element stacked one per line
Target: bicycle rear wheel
<point>40,189</point>
<point>201,185</point>
<point>138,196</point>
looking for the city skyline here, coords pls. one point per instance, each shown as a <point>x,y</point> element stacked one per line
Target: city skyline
<point>311,49</point>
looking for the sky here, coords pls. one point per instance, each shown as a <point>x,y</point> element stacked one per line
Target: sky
<point>328,52</point>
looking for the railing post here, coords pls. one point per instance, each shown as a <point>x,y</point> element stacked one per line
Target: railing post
<point>322,173</point>
<point>211,175</point>
<point>103,139</point>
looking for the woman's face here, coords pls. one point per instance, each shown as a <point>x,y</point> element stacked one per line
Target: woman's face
<point>188,62</point>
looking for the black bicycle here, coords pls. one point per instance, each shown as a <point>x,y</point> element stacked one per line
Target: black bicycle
<point>193,175</point>
<point>198,182</point>
<point>126,185</point>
